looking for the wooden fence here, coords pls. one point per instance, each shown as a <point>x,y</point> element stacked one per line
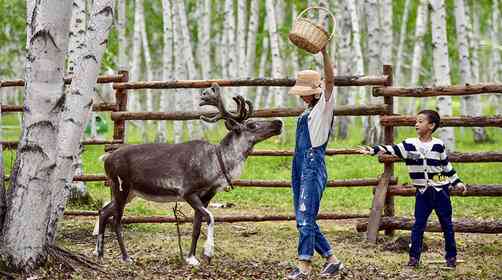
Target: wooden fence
<point>385,186</point>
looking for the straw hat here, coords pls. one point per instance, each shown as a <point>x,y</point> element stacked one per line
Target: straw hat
<point>308,82</point>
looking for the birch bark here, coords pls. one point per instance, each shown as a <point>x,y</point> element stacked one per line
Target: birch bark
<point>356,45</point>
<point>496,70</point>
<point>277,71</point>
<point>25,228</point>
<point>344,60</point>
<point>418,50</point>
<point>472,103</point>
<point>121,27</point>
<point>441,67</point>
<point>402,39</point>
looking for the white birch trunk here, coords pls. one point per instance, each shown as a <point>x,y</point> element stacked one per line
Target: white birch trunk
<point>205,35</point>
<point>133,103</point>
<point>76,47</point>
<point>441,67</point>
<point>254,17</point>
<point>231,55</point>
<point>418,50</point>
<point>356,45</point>
<point>182,102</point>
<point>402,38</point>
<point>121,27</point>
<point>26,229</point>
<point>373,131</point>
<point>188,56</point>
<point>344,63</point>
<point>149,76</point>
<point>472,103</point>
<point>166,98</point>
<point>262,68</point>
<point>277,72</point>
<point>241,42</point>
<point>496,60</point>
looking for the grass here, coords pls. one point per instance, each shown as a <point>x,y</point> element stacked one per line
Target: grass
<point>244,253</point>
<point>353,200</point>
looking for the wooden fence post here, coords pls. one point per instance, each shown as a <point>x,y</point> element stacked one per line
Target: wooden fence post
<point>119,128</point>
<point>389,139</point>
<point>380,199</point>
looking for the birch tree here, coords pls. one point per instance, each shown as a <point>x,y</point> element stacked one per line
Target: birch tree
<point>121,28</point>
<point>356,45</point>
<point>373,133</point>
<point>254,17</point>
<point>75,50</point>
<point>205,33</point>
<point>472,103</point>
<point>496,60</point>
<point>344,60</point>
<point>167,67</point>
<point>441,67</point>
<point>149,76</point>
<point>25,230</point>
<point>187,54</point>
<point>241,41</point>
<point>262,70</point>
<point>418,50</point>
<point>277,71</point>
<point>402,38</point>
<point>133,103</point>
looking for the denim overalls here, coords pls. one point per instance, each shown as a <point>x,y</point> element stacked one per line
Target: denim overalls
<point>309,178</point>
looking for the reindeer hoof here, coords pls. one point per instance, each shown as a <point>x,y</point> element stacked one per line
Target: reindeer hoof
<point>127,260</point>
<point>192,260</point>
<point>207,258</point>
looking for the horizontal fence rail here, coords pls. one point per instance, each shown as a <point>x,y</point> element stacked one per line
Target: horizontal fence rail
<point>260,113</point>
<point>103,79</point>
<point>370,182</point>
<point>457,157</point>
<point>339,81</point>
<point>99,107</point>
<point>280,153</point>
<point>438,91</point>
<point>445,121</point>
<point>221,219</point>
<point>470,226</point>
<point>472,190</point>
<point>13,144</point>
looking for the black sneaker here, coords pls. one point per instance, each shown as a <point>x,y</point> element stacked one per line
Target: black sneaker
<point>331,269</point>
<point>297,274</point>
<point>413,262</point>
<point>451,262</point>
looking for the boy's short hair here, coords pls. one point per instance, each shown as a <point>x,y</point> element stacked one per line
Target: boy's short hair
<point>432,117</point>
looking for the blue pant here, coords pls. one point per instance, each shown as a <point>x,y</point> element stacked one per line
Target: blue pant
<point>309,179</point>
<point>441,204</point>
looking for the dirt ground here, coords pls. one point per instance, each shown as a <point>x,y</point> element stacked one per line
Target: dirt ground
<point>266,251</point>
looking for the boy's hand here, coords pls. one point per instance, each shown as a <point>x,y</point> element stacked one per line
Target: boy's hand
<point>463,187</point>
<point>366,150</point>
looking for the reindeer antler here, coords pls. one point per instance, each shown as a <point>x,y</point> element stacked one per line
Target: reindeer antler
<point>214,98</point>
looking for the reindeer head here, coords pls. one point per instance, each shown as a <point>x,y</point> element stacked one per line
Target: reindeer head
<point>239,122</point>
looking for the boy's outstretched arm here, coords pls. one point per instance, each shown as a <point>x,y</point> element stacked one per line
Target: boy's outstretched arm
<point>395,150</point>
<point>329,74</point>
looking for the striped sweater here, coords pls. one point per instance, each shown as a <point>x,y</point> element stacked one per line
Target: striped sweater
<point>428,167</point>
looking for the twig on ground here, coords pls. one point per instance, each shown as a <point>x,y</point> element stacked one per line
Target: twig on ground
<point>71,259</point>
<point>175,211</point>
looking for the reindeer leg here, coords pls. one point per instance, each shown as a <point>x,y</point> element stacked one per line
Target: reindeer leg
<point>117,218</point>
<point>197,220</point>
<point>104,214</point>
<point>197,204</point>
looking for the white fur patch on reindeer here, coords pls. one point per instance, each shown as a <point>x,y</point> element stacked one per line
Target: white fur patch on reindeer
<point>120,183</point>
<point>209,244</point>
<point>192,260</point>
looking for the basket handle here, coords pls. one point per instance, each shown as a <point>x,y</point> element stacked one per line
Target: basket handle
<point>320,8</point>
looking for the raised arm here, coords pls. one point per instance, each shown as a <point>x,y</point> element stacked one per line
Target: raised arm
<point>329,74</point>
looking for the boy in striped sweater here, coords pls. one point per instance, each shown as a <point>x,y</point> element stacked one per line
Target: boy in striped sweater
<point>432,174</point>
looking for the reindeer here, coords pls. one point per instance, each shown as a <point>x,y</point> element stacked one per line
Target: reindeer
<point>193,172</point>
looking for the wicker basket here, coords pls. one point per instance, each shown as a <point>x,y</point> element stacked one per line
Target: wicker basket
<point>309,36</point>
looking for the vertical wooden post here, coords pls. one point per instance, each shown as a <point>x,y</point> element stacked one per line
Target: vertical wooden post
<point>380,196</point>
<point>3,203</point>
<point>121,101</point>
<point>389,139</point>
